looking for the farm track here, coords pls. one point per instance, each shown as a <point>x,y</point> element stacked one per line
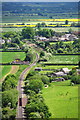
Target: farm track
<point>22,98</point>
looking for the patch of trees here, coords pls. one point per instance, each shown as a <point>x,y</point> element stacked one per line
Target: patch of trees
<point>61,47</point>
<point>46,33</point>
<point>29,56</point>
<point>75,77</point>
<point>28,33</point>
<point>10,82</point>
<point>9,97</point>
<point>36,107</point>
<point>12,39</point>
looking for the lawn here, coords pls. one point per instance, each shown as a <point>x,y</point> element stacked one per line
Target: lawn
<point>66,59</point>
<point>11,56</point>
<point>62,99</point>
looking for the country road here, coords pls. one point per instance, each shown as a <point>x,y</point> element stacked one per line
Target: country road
<point>22,98</point>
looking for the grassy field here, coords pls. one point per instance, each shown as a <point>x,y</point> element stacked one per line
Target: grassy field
<point>11,56</point>
<point>66,59</point>
<point>56,29</point>
<point>4,70</point>
<point>62,99</point>
<point>58,67</point>
<point>66,42</point>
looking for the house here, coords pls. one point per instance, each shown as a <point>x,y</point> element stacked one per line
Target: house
<point>43,39</point>
<point>18,61</point>
<point>2,41</point>
<point>65,70</point>
<point>58,74</point>
<point>54,38</point>
<point>73,37</point>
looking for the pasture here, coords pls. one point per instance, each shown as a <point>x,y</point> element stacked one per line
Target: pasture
<point>11,56</point>
<point>66,59</point>
<point>61,99</point>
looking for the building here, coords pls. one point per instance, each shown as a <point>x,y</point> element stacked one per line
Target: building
<point>58,74</point>
<point>65,70</point>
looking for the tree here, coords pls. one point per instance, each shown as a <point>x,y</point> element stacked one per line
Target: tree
<point>75,79</point>
<point>9,82</point>
<point>10,98</point>
<point>29,56</point>
<point>34,115</point>
<point>28,33</point>
<point>45,79</point>
<point>35,85</point>
<point>66,22</point>
<point>36,105</point>
<point>16,40</point>
<point>8,114</point>
<point>42,53</point>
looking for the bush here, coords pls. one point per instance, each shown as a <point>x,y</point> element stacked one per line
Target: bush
<point>45,79</point>
<point>75,79</point>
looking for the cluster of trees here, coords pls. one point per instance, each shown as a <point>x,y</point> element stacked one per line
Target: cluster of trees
<point>75,77</point>
<point>9,97</point>
<point>45,33</point>
<point>60,47</point>
<point>12,39</point>
<point>36,107</point>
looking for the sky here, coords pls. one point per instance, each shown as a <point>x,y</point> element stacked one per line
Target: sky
<point>39,0</point>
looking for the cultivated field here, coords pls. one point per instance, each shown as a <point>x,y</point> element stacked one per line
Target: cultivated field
<point>11,56</point>
<point>62,99</point>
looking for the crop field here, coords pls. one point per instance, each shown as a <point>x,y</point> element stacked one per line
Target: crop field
<point>62,99</point>
<point>11,56</point>
<point>66,59</point>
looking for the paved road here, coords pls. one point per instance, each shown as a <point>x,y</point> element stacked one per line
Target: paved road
<point>22,98</point>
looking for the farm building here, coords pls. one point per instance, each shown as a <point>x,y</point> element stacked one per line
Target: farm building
<point>2,41</point>
<point>59,74</point>
<point>18,61</point>
<point>65,70</point>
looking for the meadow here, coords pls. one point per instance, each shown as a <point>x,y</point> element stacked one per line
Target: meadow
<point>11,56</point>
<point>61,99</point>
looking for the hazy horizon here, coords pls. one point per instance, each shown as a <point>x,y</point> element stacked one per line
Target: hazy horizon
<point>40,1</point>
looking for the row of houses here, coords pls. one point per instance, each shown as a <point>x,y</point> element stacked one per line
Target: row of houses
<point>66,37</point>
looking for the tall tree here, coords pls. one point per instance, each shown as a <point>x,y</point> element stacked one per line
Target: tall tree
<point>28,33</point>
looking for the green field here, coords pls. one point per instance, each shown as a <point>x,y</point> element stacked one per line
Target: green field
<point>66,59</point>
<point>56,29</point>
<point>11,56</point>
<point>4,70</point>
<point>66,42</point>
<point>62,99</point>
